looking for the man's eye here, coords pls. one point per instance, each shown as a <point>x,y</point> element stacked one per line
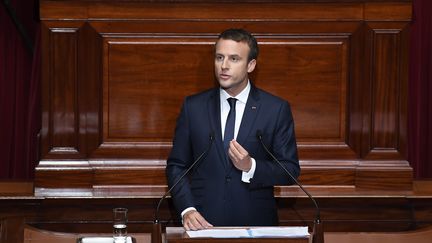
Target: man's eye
<point>219,58</point>
<point>234,59</point>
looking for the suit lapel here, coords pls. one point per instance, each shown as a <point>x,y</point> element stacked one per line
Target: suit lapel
<point>215,120</point>
<point>249,115</point>
<point>248,120</point>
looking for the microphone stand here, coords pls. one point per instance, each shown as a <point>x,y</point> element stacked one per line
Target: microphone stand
<point>156,236</point>
<point>318,232</point>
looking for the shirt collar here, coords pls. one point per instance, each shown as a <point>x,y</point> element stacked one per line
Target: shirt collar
<point>242,96</point>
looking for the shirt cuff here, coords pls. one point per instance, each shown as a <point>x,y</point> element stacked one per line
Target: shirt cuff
<point>187,210</point>
<point>246,176</point>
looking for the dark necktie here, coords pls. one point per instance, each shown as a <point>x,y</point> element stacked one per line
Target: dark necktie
<point>230,123</point>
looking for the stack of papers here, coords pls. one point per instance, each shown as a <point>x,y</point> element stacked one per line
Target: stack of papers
<point>257,232</point>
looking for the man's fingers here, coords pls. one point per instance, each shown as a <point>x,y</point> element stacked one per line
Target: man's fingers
<point>194,221</point>
<point>239,156</point>
<point>233,152</point>
<point>188,219</point>
<point>233,147</point>
<point>237,151</point>
<point>186,226</point>
<point>231,155</point>
<point>239,148</point>
<point>195,224</point>
<point>201,220</point>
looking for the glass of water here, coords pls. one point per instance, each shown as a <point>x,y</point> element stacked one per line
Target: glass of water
<point>120,225</point>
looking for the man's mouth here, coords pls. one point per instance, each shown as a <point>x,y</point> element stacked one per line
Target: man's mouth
<point>224,76</point>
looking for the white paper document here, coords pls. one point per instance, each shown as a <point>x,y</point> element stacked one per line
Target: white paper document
<point>282,232</point>
<point>255,232</point>
<point>101,240</point>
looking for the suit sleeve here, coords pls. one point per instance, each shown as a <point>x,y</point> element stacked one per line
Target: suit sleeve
<point>178,162</point>
<point>284,147</point>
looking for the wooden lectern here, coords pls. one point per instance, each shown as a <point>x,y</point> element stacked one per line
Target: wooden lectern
<point>178,235</point>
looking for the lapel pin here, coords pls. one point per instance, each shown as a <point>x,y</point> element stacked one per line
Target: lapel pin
<point>253,107</point>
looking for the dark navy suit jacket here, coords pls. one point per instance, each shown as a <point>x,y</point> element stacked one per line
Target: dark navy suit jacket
<point>214,187</point>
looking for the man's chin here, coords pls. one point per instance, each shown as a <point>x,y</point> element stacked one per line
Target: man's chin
<point>225,84</point>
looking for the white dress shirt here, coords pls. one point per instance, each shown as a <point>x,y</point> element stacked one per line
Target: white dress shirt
<point>240,107</point>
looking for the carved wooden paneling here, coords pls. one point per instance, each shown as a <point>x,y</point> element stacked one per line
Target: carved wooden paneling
<point>60,100</point>
<point>115,74</point>
<point>292,74</point>
<point>146,80</point>
<point>388,88</point>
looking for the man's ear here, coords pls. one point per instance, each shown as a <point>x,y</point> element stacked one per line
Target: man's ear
<point>251,65</point>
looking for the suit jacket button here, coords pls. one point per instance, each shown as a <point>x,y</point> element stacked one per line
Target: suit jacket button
<point>227,179</point>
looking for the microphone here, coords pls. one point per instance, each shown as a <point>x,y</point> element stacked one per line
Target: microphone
<point>157,231</point>
<point>318,234</point>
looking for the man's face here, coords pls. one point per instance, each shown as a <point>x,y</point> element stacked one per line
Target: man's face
<point>232,66</point>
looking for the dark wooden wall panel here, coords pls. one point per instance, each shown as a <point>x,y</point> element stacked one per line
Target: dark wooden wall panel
<point>385,90</point>
<point>115,74</point>
<point>146,81</point>
<point>297,62</point>
<point>388,89</point>
<point>61,98</point>
<point>64,93</point>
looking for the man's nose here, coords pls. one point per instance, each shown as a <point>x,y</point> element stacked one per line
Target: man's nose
<point>225,64</point>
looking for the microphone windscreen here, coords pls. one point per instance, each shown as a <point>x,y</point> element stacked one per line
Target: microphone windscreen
<point>259,134</point>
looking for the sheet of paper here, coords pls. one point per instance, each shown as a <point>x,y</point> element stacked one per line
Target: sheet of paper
<point>283,232</point>
<point>101,240</point>
<point>255,232</point>
<point>219,233</point>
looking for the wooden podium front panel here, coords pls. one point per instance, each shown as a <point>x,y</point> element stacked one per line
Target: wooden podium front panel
<point>115,74</point>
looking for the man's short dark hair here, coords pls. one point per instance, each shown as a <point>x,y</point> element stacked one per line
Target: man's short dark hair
<point>241,35</point>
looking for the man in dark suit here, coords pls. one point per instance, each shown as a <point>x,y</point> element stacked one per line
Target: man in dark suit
<point>233,184</point>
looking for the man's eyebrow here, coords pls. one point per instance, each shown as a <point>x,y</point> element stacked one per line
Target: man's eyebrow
<point>229,55</point>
